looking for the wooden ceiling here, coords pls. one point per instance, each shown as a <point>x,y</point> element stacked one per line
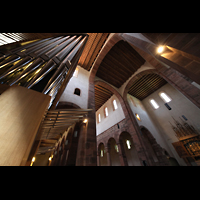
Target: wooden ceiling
<point>92,48</point>
<point>90,52</point>
<point>101,96</point>
<point>146,85</point>
<point>119,64</point>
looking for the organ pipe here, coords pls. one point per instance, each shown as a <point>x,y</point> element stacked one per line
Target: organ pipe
<point>47,59</point>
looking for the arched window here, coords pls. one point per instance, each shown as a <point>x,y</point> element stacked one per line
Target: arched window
<point>99,118</point>
<point>154,104</point>
<point>164,97</point>
<point>106,112</point>
<point>77,91</point>
<point>115,104</point>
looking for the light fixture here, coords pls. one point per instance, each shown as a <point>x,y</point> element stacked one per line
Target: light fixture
<point>33,159</point>
<point>85,121</point>
<point>137,116</point>
<point>49,158</point>
<point>160,49</point>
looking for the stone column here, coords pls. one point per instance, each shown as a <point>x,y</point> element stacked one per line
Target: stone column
<point>98,157</point>
<point>107,148</point>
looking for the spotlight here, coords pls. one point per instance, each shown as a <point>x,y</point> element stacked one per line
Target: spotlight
<point>33,159</point>
<point>160,49</point>
<point>85,121</point>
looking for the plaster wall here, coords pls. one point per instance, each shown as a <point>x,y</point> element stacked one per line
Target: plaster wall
<point>114,116</point>
<point>81,82</point>
<point>162,116</point>
<point>145,120</point>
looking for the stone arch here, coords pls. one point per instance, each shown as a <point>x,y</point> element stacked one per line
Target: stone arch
<point>151,144</point>
<point>102,154</point>
<point>136,77</point>
<point>112,41</point>
<point>133,125</point>
<point>157,154</point>
<point>130,152</point>
<point>114,91</point>
<point>171,71</point>
<point>172,160</point>
<point>113,152</point>
<point>66,105</point>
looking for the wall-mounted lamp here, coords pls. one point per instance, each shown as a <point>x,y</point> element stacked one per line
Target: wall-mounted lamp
<point>32,161</point>
<point>85,121</point>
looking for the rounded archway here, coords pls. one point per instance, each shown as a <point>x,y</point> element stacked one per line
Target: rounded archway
<point>150,143</point>
<point>114,152</point>
<point>129,149</point>
<point>172,160</point>
<point>103,155</point>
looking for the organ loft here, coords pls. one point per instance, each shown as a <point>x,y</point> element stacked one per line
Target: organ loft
<point>99,99</point>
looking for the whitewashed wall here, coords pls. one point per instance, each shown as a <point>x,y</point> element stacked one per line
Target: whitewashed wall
<point>81,82</point>
<point>114,116</point>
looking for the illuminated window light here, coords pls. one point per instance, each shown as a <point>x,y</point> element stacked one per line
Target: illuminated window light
<point>116,148</point>
<point>160,49</point>
<point>165,97</point>
<point>137,116</point>
<point>99,117</point>
<point>154,104</point>
<point>115,104</point>
<point>128,143</point>
<point>85,121</point>
<point>101,153</point>
<point>33,159</point>
<point>106,111</point>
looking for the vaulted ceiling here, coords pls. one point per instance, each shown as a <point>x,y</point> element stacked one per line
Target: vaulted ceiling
<point>121,62</point>
<point>117,66</point>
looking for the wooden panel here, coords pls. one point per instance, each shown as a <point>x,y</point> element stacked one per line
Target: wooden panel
<point>180,149</point>
<point>101,96</point>
<point>146,85</point>
<point>119,64</point>
<point>21,112</point>
<point>92,48</point>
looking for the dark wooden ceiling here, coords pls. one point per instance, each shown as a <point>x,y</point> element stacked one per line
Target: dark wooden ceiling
<point>101,96</point>
<point>146,85</point>
<point>119,64</point>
